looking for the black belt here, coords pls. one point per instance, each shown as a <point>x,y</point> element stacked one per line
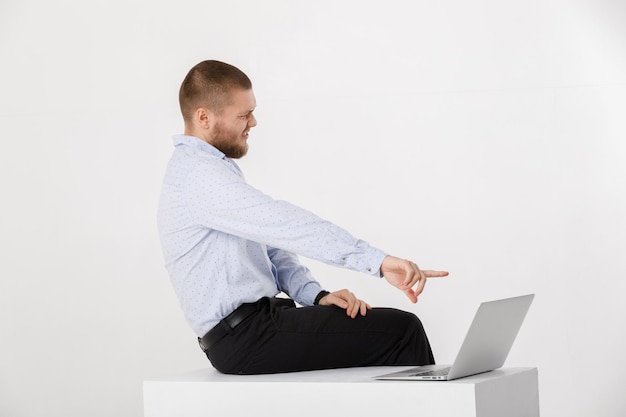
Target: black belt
<point>227,324</point>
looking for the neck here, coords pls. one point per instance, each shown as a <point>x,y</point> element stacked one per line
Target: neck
<point>190,131</point>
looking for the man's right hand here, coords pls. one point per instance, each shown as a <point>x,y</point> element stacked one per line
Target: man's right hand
<point>404,275</point>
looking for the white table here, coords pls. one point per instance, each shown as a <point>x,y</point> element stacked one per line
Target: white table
<point>508,392</point>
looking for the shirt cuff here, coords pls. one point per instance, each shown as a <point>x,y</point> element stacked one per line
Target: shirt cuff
<point>308,294</point>
<point>368,261</point>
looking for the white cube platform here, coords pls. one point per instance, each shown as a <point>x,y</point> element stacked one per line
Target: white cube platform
<point>510,392</point>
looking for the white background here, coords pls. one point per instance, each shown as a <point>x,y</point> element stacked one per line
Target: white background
<point>487,138</point>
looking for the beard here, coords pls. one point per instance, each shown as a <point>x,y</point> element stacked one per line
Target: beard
<point>232,144</point>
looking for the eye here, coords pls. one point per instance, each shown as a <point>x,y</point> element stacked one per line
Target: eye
<point>246,116</point>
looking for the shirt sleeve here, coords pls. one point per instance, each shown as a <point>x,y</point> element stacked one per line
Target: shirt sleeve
<point>218,198</point>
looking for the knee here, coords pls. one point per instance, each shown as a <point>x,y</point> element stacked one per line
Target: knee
<point>413,323</point>
<point>403,321</point>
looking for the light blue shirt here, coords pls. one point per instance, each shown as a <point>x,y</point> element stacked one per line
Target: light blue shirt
<point>225,243</point>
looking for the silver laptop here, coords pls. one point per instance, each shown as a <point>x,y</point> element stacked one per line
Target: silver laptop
<point>486,345</point>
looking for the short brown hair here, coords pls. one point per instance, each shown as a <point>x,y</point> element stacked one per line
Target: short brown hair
<point>209,84</point>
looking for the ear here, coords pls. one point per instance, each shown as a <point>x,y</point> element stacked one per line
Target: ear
<point>204,118</point>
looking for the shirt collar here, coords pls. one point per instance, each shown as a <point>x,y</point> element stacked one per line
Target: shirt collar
<point>201,146</point>
<point>198,144</point>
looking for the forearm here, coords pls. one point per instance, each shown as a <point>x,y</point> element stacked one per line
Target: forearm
<point>293,278</point>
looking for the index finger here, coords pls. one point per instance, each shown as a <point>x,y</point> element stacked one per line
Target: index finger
<point>434,274</point>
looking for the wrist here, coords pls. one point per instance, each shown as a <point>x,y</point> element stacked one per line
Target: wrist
<point>321,295</point>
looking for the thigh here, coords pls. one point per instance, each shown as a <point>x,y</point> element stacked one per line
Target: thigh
<point>322,337</point>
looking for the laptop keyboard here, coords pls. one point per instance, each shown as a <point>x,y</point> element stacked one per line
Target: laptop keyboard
<point>436,372</point>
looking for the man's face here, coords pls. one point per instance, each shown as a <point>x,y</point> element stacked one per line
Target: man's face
<point>232,126</point>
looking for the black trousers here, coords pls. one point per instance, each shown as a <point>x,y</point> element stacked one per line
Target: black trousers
<point>282,338</point>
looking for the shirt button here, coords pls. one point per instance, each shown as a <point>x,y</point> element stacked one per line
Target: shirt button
<point>343,258</point>
<point>369,269</point>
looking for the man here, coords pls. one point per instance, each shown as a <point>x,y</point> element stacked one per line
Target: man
<point>230,250</point>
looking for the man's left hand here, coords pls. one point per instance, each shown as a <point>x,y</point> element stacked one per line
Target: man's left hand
<point>347,300</point>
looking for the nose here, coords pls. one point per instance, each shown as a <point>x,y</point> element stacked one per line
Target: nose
<point>252,121</point>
